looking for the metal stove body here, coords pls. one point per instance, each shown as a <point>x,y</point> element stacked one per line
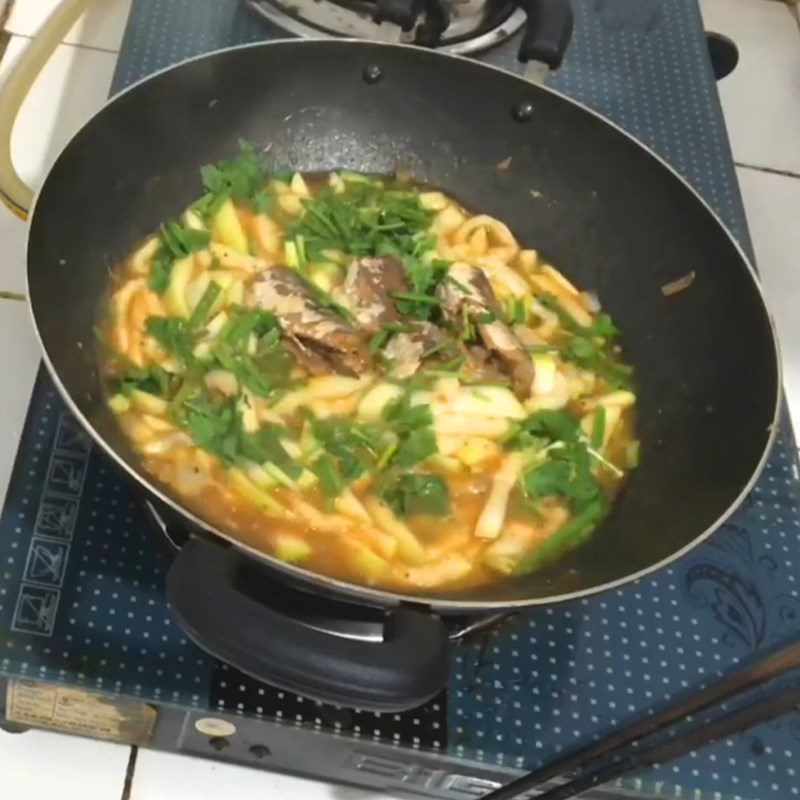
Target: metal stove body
<point>88,644</point>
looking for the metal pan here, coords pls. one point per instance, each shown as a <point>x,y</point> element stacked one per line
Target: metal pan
<point>588,196</point>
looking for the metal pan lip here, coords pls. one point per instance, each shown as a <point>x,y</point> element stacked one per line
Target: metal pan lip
<point>367,594</point>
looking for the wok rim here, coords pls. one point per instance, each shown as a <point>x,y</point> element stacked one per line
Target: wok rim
<point>380,597</point>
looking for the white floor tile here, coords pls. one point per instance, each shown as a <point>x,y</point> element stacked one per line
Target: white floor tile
<point>163,776</point>
<point>772,203</point>
<point>19,361</point>
<point>101,26</point>
<point>72,87</point>
<point>45,766</point>
<point>761,97</point>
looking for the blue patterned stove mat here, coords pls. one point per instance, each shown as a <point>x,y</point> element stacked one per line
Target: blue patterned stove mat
<point>81,586</point>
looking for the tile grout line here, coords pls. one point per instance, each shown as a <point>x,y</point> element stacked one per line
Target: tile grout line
<point>78,46</point>
<point>771,170</point>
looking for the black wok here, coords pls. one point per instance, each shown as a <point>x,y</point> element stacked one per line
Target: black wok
<point>590,198</point>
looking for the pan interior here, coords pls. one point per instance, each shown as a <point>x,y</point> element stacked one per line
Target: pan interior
<point>587,197</point>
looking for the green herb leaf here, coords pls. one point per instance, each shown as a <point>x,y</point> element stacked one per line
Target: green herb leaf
<point>241,178</point>
<point>153,380</point>
<point>544,425</point>
<point>355,447</point>
<point>598,427</point>
<point>181,241</point>
<point>172,335</point>
<point>176,242</point>
<point>550,478</point>
<point>566,538</point>
<point>330,481</point>
<point>201,311</point>
<point>413,493</point>
<point>264,446</point>
<point>213,426</point>
<point>160,270</point>
<point>416,446</point>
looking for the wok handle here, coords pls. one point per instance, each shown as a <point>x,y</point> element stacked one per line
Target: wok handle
<point>547,31</point>
<point>208,592</point>
<point>14,192</point>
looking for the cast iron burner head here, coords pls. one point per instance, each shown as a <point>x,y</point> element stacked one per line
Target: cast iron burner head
<point>456,26</point>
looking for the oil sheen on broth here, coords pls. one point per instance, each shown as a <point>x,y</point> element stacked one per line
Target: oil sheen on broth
<point>359,376</point>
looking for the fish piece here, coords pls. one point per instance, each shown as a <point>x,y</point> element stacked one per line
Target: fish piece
<point>368,287</point>
<point>320,339</point>
<point>407,349</point>
<point>469,293</point>
<point>481,365</point>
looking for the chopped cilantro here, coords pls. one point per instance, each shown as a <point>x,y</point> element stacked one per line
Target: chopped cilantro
<point>241,178</point>
<point>413,493</point>
<point>153,380</point>
<point>414,447</point>
<point>355,447</point>
<point>544,425</point>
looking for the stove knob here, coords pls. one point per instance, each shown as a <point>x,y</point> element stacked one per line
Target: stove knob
<point>219,743</point>
<point>260,751</point>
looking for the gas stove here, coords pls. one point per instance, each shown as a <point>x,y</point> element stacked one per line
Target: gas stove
<point>460,27</point>
<point>88,644</point>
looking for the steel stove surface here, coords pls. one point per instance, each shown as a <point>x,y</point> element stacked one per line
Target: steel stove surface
<point>88,644</point>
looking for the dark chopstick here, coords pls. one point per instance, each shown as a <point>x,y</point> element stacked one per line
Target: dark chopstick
<point>765,669</point>
<point>780,701</point>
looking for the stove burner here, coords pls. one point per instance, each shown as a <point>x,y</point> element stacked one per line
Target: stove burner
<point>459,27</point>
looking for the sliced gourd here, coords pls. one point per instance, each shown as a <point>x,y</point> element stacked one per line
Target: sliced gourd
<point>349,505</point>
<point>487,401</point>
<point>336,183</point>
<point>449,568</point>
<point>433,201</point>
<point>227,229</point>
<point>325,275</point>
<point>330,387</point>
<point>366,563</point>
<point>490,522</point>
<point>371,407</point>
<point>544,374</point>
<point>260,476</point>
<point>119,404</point>
<point>299,186</point>
<point>245,405</point>
<point>476,450</point>
<point>290,548</point>
<point>253,493</point>
<point>195,289</point>
<point>191,220</point>
<point>409,548</point>
<point>149,403</point>
<point>175,296</point>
